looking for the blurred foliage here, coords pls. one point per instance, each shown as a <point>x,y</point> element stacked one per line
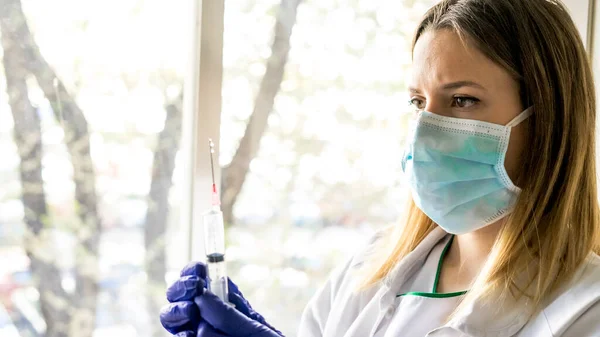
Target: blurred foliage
<point>328,170</point>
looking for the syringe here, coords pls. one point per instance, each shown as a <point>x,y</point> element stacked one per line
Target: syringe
<point>214,240</point>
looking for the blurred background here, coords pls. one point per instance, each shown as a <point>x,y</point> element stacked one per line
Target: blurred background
<point>103,124</point>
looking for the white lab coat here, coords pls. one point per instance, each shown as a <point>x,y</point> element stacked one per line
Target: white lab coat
<point>337,310</point>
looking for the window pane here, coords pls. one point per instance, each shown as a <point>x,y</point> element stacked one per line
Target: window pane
<point>91,175</point>
<point>326,171</point>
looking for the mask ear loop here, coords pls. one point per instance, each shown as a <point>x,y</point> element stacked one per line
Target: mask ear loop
<point>521,117</point>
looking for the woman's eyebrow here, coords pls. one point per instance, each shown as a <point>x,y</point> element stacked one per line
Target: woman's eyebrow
<point>451,86</point>
<point>460,84</point>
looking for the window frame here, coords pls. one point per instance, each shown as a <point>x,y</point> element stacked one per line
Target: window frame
<point>203,86</point>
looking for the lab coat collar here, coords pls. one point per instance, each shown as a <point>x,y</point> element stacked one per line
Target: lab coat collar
<point>479,318</point>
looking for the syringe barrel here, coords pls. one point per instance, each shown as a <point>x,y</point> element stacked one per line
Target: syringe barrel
<point>214,232</point>
<point>218,280</point>
<point>214,246</point>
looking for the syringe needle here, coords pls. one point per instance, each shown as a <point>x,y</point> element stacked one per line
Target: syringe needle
<point>211,146</point>
<point>215,196</point>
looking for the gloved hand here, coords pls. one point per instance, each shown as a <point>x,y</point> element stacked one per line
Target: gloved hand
<point>195,312</point>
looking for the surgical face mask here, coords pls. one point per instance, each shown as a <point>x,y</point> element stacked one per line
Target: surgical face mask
<point>456,173</point>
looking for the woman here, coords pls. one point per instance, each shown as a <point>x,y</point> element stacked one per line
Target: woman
<point>505,97</point>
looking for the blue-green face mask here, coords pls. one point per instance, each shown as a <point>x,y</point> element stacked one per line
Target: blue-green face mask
<point>456,170</point>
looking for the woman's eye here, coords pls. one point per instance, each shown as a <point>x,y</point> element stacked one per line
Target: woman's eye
<point>464,102</point>
<point>417,103</point>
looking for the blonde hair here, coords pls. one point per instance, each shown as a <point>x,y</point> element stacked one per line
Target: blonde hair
<point>556,221</point>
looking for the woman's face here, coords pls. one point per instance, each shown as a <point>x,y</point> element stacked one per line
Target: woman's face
<point>454,80</point>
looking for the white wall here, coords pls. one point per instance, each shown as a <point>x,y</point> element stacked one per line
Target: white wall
<point>596,43</point>
<point>595,31</point>
<point>586,14</point>
<point>580,11</point>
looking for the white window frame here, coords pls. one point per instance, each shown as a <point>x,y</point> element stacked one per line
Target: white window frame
<point>594,27</point>
<point>202,106</point>
<point>595,35</point>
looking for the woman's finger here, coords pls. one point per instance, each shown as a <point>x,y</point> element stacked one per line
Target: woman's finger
<point>180,316</point>
<point>206,330</point>
<point>186,334</point>
<point>194,269</point>
<point>224,317</point>
<point>185,289</point>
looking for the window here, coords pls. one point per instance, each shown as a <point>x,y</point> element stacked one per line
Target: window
<point>91,171</point>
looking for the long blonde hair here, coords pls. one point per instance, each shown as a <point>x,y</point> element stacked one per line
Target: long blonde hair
<point>556,221</point>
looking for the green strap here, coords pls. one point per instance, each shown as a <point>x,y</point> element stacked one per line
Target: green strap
<point>434,293</point>
<point>439,267</point>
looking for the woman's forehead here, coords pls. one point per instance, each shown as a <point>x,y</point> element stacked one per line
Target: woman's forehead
<point>442,57</point>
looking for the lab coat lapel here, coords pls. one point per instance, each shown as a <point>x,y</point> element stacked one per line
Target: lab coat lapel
<point>406,267</point>
<point>403,270</point>
<point>383,300</point>
<point>499,318</point>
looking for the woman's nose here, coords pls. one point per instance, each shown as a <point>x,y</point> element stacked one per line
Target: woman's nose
<point>436,107</point>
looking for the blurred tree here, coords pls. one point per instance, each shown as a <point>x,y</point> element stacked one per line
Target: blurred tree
<point>65,314</point>
<point>28,138</point>
<point>158,210</point>
<point>235,173</point>
<point>61,311</point>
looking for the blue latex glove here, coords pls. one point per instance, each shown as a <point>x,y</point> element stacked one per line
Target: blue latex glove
<point>188,299</point>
